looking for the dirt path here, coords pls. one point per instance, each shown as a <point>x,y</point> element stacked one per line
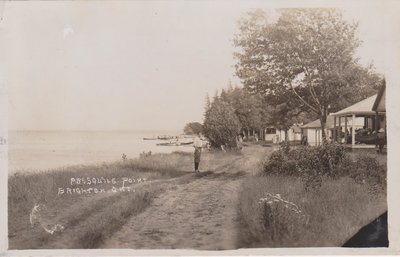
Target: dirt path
<point>200,214</point>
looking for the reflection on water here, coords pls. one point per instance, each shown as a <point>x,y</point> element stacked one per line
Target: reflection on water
<point>40,150</point>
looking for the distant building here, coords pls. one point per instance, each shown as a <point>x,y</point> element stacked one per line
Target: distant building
<point>313,133</point>
<point>294,134</point>
<point>269,134</point>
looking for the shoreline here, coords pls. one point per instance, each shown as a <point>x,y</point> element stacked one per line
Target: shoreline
<point>61,168</point>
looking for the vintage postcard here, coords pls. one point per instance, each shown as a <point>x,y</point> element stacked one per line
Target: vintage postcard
<point>199,127</point>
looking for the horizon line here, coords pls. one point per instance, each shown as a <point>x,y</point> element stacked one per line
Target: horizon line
<point>94,130</point>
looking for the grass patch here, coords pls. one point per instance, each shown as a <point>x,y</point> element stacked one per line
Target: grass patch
<point>101,226</point>
<point>93,216</point>
<point>283,210</point>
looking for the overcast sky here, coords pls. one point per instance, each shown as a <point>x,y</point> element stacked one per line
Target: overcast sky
<point>131,65</point>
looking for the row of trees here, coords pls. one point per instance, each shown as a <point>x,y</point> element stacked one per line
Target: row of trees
<point>236,110</point>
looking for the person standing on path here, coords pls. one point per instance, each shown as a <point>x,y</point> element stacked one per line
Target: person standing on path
<point>197,144</point>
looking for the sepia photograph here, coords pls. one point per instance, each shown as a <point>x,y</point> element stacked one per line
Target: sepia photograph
<point>194,125</point>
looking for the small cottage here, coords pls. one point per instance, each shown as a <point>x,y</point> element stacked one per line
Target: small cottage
<point>312,132</point>
<point>294,134</point>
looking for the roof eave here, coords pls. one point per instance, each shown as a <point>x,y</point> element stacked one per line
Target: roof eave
<point>356,113</point>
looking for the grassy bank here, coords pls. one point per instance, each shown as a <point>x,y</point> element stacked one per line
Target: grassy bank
<point>87,216</point>
<point>281,211</point>
<point>274,210</point>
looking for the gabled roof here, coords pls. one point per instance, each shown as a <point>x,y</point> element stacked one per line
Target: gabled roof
<point>381,94</point>
<point>363,107</point>
<point>317,123</point>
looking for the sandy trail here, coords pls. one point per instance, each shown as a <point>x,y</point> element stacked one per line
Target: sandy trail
<point>200,214</point>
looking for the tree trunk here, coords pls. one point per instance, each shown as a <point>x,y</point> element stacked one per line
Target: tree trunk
<point>322,119</point>
<point>324,141</point>
<point>286,135</point>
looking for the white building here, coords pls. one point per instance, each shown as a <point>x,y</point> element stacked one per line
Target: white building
<point>313,132</point>
<point>294,134</point>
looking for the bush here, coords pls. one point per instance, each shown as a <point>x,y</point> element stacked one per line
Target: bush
<point>312,164</point>
<point>305,160</point>
<point>365,169</point>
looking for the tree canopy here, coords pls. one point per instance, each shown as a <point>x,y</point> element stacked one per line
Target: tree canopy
<point>193,128</point>
<point>221,125</point>
<point>304,60</point>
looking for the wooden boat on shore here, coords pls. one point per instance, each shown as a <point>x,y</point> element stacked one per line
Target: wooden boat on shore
<point>150,138</point>
<point>167,144</point>
<point>187,143</point>
<point>165,137</point>
<point>177,143</point>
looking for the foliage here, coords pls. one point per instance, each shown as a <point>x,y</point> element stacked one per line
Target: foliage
<point>304,59</point>
<point>255,112</point>
<point>221,125</point>
<point>248,108</point>
<point>305,160</point>
<point>286,216</point>
<point>365,169</point>
<point>193,128</point>
<point>312,164</point>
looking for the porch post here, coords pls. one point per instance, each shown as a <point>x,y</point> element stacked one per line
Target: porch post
<point>345,130</point>
<point>334,129</point>
<point>353,132</point>
<point>340,129</point>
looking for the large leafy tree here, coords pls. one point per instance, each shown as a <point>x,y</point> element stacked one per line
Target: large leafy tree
<point>304,59</point>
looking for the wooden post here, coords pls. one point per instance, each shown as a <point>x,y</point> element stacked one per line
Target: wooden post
<point>353,130</point>
<point>334,129</point>
<point>345,130</point>
<point>376,129</point>
<point>340,129</point>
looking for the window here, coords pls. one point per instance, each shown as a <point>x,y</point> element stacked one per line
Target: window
<point>271,130</point>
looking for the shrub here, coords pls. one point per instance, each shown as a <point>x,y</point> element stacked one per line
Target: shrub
<point>280,219</point>
<point>312,164</point>
<point>305,160</point>
<point>285,147</point>
<point>365,169</point>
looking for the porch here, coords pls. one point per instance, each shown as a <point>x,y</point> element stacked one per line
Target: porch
<point>358,126</point>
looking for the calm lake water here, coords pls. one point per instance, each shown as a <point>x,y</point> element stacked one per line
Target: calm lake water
<point>31,151</point>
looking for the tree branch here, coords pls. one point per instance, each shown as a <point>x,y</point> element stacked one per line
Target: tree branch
<point>308,75</point>
<point>301,99</point>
